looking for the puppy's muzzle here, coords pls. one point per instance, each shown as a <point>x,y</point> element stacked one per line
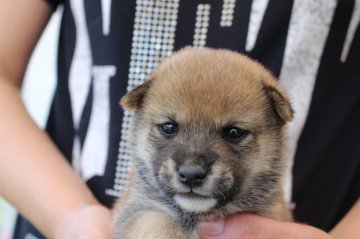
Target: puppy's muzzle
<point>192,175</point>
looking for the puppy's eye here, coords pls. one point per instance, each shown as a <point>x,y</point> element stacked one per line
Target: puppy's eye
<point>234,133</point>
<point>168,129</point>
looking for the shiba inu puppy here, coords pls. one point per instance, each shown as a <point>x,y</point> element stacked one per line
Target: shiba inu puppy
<point>208,141</point>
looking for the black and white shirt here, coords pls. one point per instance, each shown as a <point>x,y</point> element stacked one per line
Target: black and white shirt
<point>108,47</point>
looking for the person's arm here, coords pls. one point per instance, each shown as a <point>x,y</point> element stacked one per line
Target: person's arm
<point>34,175</point>
<point>349,226</point>
<point>247,226</point>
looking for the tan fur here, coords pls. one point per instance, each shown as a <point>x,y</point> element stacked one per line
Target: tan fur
<point>204,91</point>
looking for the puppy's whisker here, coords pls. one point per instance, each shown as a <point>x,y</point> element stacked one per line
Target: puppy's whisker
<point>166,189</point>
<point>219,192</point>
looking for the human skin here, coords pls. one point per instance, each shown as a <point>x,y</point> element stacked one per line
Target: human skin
<point>247,226</point>
<point>34,176</point>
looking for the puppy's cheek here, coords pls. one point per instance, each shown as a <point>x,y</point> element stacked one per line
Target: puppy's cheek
<point>163,173</point>
<point>166,176</point>
<point>220,181</point>
<point>156,147</point>
<point>228,180</point>
<point>144,153</point>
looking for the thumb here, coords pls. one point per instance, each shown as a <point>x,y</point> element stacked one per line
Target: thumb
<point>235,226</point>
<point>211,228</point>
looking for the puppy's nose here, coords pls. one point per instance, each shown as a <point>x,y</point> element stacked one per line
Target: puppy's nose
<point>191,175</point>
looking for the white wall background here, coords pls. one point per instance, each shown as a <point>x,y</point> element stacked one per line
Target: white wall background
<point>38,87</point>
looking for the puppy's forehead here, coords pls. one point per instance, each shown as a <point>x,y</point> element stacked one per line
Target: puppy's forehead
<point>215,86</point>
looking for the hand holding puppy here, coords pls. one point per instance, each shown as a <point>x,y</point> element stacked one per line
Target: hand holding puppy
<point>248,226</point>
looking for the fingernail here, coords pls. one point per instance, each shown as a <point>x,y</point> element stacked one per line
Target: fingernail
<point>210,228</point>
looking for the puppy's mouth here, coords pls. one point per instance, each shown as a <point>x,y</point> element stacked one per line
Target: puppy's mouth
<point>194,202</point>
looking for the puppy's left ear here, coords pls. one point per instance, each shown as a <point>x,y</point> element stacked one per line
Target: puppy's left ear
<point>278,99</point>
<point>134,99</point>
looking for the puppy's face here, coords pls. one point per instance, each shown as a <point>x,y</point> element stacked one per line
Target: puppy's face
<point>208,129</point>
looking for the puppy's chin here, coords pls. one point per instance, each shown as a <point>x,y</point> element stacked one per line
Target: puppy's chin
<point>194,203</point>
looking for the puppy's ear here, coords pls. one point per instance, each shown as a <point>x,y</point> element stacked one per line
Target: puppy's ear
<point>279,100</point>
<point>133,100</point>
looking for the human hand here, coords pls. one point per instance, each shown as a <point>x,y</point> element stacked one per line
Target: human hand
<point>248,226</point>
<point>91,222</point>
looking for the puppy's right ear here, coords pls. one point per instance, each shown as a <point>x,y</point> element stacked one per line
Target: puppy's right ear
<point>133,100</point>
